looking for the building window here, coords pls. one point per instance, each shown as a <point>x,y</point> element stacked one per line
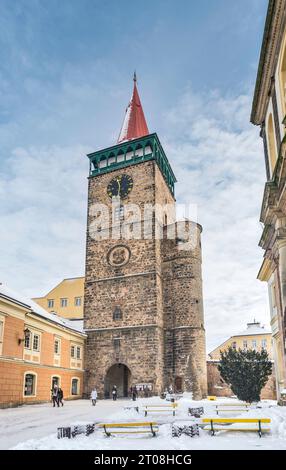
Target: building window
<point>77,301</point>
<point>272,152</point>
<point>116,344</point>
<point>273,295</point>
<point>30,385</point>
<point>51,303</point>
<point>244,344</point>
<point>57,349</point>
<point>36,343</point>
<point>64,302</point>
<point>119,213</point>
<point>264,343</point>
<point>78,352</point>
<point>117,314</point>
<point>254,344</point>
<point>233,345</point>
<point>75,387</point>
<point>72,351</point>
<point>28,339</point>
<point>282,77</point>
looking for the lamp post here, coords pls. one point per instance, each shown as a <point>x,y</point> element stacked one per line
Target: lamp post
<point>26,333</point>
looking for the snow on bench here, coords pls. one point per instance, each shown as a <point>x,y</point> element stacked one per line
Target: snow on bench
<point>226,424</point>
<point>130,428</point>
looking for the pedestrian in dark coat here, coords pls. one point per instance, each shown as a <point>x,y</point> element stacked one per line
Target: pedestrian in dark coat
<point>114,393</point>
<point>55,396</point>
<point>134,393</point>
<point>93,396</point>
<point>60,397</point>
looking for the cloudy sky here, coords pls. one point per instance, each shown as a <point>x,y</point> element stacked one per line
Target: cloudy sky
<point>65,79</point>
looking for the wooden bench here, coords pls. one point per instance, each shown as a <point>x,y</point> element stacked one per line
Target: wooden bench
<point>224,424</point>
<point>226,407</point>
<point>161,408</point>
<point>129,428</point>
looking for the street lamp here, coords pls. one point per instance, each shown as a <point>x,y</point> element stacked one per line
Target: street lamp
<point>26,332</point>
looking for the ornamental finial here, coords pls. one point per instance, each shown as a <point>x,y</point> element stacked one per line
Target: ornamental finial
<point>134,76</point>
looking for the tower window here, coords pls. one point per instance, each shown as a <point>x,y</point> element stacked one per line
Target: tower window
<point>165,219</point>
<point>116,344</point>
<point>117,314</point>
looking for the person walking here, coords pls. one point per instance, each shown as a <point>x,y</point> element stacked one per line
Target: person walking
<point>134,393</point>
<point>114,393</point>
<point>93,396</point>
<point>55,395</point>
<point>60,396</point>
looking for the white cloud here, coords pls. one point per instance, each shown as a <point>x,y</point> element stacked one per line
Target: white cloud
<point>43,218</point>
<point>218,160</point>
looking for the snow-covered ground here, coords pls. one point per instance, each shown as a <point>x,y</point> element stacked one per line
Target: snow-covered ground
<point>35,426</point>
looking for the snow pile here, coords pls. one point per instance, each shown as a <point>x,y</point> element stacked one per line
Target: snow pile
<point>222,440</point>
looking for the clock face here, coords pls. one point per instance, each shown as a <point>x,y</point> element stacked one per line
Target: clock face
<point>120,186</point>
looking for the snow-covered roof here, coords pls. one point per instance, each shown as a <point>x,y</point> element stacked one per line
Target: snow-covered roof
<point>35,308</point>
<point>254,329</point>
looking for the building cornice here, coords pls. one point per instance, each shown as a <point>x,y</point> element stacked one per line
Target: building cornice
<point>266,270</point>
<point>274,23</point>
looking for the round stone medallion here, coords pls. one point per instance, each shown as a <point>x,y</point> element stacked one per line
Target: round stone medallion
<point>118,256</point>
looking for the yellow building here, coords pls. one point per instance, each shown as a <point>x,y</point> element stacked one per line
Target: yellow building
<point>254,337</point>
<point>66,299</point>
<point>37,350</point>
<point>269,112</point>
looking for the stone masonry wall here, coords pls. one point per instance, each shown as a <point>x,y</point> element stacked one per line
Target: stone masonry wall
<point>185,354</point>
<point>158,291</point>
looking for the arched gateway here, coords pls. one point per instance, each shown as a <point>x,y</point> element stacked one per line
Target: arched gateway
<point>118,375</point>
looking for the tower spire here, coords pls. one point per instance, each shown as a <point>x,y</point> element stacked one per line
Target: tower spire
<point>134,124</point>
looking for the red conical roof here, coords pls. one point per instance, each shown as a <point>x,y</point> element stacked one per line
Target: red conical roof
<point>134,124</point>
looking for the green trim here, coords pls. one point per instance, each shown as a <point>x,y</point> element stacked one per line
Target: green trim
<point>130,153</point>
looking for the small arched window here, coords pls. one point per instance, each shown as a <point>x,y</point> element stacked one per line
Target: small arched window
<point>75,386</point>
<point>30,384</point>
<point>117,314</point>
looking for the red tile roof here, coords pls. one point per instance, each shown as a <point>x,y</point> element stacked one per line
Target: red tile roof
<point>134,124</point>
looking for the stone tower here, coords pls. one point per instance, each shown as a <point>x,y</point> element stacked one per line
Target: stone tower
<point>143,311</point>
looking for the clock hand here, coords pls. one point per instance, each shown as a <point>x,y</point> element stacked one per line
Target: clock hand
<point>119,187</point>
